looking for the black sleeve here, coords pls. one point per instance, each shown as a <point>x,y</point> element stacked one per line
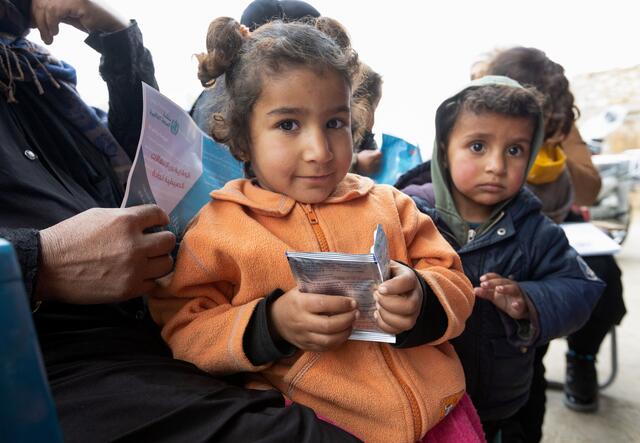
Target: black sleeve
<point>431,323</point>
<point>124,64</point>
<point>26,243</point>
<point>259,346</point>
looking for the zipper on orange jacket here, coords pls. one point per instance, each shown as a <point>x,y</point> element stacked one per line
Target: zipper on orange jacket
<point>413,403</point>
<point>313,220</point>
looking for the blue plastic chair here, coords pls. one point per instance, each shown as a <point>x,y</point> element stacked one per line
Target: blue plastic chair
<point>27,411</point>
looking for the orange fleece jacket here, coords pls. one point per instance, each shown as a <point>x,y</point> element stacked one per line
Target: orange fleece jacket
<point>233,255</point>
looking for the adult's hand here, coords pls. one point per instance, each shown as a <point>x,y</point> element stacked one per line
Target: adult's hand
<point>103,255</point>
<point>86,15</point>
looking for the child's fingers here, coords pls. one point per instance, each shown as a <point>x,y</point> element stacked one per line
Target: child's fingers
<point>508,289</point>
<point>327,304</point>
<point>321,342</point>
<point>403,281</point>
<point>483,293</point>
<point>398,304</point>
<point>393,322</point>
<point>489,276</point>
<point>384,325</point>
<point>495,282</point>
<point>331,324</point>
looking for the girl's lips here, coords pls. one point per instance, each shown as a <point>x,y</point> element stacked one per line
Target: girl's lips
<point>315,177</point>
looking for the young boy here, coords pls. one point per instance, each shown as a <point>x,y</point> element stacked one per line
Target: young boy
<point>530,284</point>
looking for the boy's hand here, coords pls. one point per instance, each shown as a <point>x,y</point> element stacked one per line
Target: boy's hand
<point>312,322</point>
<point>504,293</point>
<point>398,300</point>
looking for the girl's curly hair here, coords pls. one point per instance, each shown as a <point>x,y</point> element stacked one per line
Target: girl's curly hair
<point>248,60</point>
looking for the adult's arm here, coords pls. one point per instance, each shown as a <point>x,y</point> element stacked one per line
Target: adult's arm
<point>124,64</point>
<point>584,175</point>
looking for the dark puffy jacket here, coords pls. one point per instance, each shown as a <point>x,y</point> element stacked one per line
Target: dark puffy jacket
<point>523,245</point>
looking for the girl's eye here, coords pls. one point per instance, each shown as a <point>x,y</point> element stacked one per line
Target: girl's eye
<point>335,123</point>
<point>476,147</point>
<point>288,125</point>
<point>515,151</point>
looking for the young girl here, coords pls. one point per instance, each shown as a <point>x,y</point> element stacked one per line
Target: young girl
<point>233,306</point>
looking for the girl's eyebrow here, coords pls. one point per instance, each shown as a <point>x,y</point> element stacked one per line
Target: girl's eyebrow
<point>287,111</point>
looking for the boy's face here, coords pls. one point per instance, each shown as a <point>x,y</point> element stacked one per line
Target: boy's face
<point>487,158</point>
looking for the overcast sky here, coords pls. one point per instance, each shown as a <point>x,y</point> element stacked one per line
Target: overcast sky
<point>423,49</point>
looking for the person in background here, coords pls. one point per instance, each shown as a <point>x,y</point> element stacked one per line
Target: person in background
<point>366,97</point>
<point>577,184</point>
<point>86,263</point>
<point>530,284</point>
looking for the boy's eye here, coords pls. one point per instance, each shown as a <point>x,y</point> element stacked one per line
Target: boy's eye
<point>476,147</point>
<point>288,125</point>
<point>515,151</point>
<point>335,123</point>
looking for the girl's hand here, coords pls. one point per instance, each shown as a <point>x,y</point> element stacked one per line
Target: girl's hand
<point>398,300</point>
<point>312,322</point>
<point>505,294</point>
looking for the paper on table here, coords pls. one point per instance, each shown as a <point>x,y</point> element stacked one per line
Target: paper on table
<point>587,239</point>
<point>351,275</point>
<point>176,164</point>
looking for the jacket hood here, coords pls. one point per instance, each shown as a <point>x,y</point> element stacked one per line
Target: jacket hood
<point>442,185</point>
<point>247,193</point>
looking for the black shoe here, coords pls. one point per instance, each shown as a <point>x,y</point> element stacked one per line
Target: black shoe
<point>581,383</point>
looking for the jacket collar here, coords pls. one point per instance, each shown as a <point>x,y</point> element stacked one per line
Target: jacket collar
<point>505,223</point>
<point>247,193</point>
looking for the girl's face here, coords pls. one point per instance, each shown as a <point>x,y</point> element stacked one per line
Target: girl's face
<point>487,157</point>
<point>300,133</point>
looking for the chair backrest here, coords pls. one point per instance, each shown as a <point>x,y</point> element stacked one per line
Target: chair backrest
<point>27,411</point>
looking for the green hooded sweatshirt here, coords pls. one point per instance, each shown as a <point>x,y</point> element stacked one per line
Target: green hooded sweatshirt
<point>442,183</point>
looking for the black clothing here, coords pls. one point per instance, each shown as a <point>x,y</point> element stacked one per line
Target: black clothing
<point>608,312</point>
<point>111,375</point>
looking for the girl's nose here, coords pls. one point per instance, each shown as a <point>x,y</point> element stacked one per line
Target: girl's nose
<point>318,148</point>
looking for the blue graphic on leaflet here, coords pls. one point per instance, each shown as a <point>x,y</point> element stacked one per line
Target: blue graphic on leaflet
<point>219,167</point>
<point>398,156</point>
